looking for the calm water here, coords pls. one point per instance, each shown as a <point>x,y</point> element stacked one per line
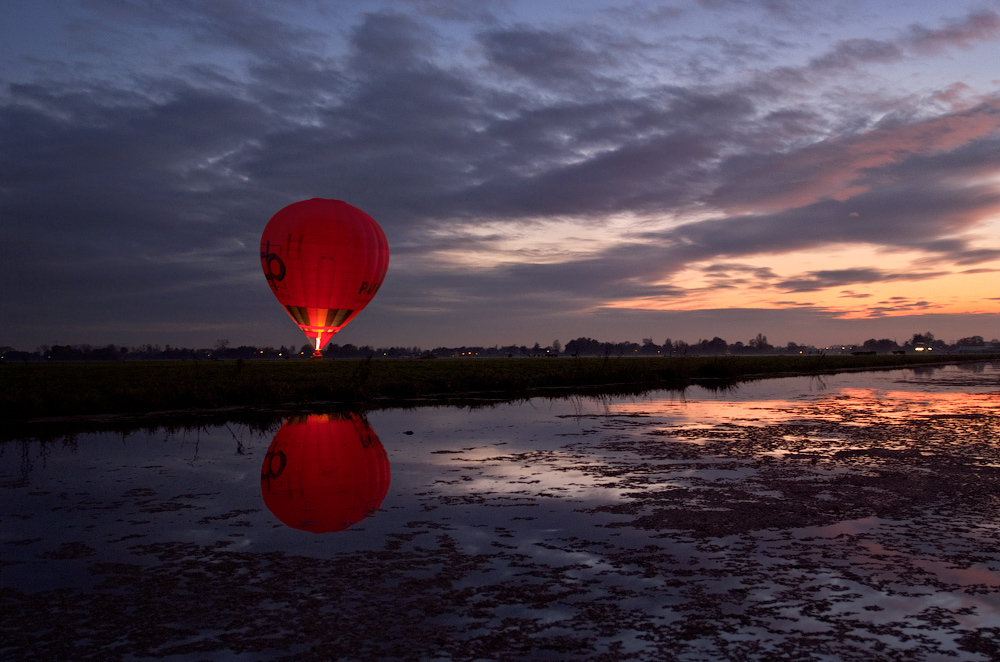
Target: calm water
<point>846,517</point>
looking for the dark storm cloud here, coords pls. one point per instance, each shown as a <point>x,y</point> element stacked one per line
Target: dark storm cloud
<point>907,216</point>
<point>900,305</point>
<point>982,25</point>
<point>775,7</point>
<point>849,56</point>
<point>965,256</point>
<point>851,294</point>
<point>390,41</point>
<point>549,59</point>
<point>729,275</point>
<point>853,52</point>
<point>819,280</point>
<point>443,144</point>
<point>123,195</point>
<point>221,23</point>
<point>638,13</point>
<point>913,212</point>
<point>78,164</point>
<point>622,272</point>
<point>639,154</point>
<point>904,215</point>
<point>897,150</point>
<point>460,10</point>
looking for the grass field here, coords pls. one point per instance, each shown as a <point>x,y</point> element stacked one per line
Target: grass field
<point>43,390</point>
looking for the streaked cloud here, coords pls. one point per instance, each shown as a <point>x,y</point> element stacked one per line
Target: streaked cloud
<point>693,156</point>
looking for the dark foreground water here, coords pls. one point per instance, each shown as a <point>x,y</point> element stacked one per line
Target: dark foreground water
<point>850,517</point>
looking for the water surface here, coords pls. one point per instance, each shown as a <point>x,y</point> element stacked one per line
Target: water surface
<point>852,516</point>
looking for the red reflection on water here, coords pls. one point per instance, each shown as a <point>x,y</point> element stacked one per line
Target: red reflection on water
<point>324,473</point>
<point>847,405</point>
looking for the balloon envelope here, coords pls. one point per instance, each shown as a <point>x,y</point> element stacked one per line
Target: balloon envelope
<point>324,261</point>
<point>324,473</point>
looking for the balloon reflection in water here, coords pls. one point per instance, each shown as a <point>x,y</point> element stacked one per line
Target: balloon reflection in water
<point>324,473</point>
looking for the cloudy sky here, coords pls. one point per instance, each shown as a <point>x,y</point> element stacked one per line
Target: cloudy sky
<point>817,172</point>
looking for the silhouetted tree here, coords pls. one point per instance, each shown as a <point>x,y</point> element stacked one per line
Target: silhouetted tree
<point>714,346</point>
<point>583,347</point>
<point>760,343</point>
<point>927,339</point>
<point>649,348</point>
<point>884,345</point>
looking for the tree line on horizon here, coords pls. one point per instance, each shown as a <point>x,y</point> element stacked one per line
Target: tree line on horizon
<point>582,346</point>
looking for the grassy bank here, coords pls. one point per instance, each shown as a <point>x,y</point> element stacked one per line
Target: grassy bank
<point>37,390</point>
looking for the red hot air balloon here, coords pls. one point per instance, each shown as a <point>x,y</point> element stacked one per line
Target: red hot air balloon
<point>324,261</point>
<point>324,473</point>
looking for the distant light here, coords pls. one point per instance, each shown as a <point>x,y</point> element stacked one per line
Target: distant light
<point>918,349</point>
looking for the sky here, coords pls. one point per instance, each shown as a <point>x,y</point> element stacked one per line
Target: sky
<point>544,170</point>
